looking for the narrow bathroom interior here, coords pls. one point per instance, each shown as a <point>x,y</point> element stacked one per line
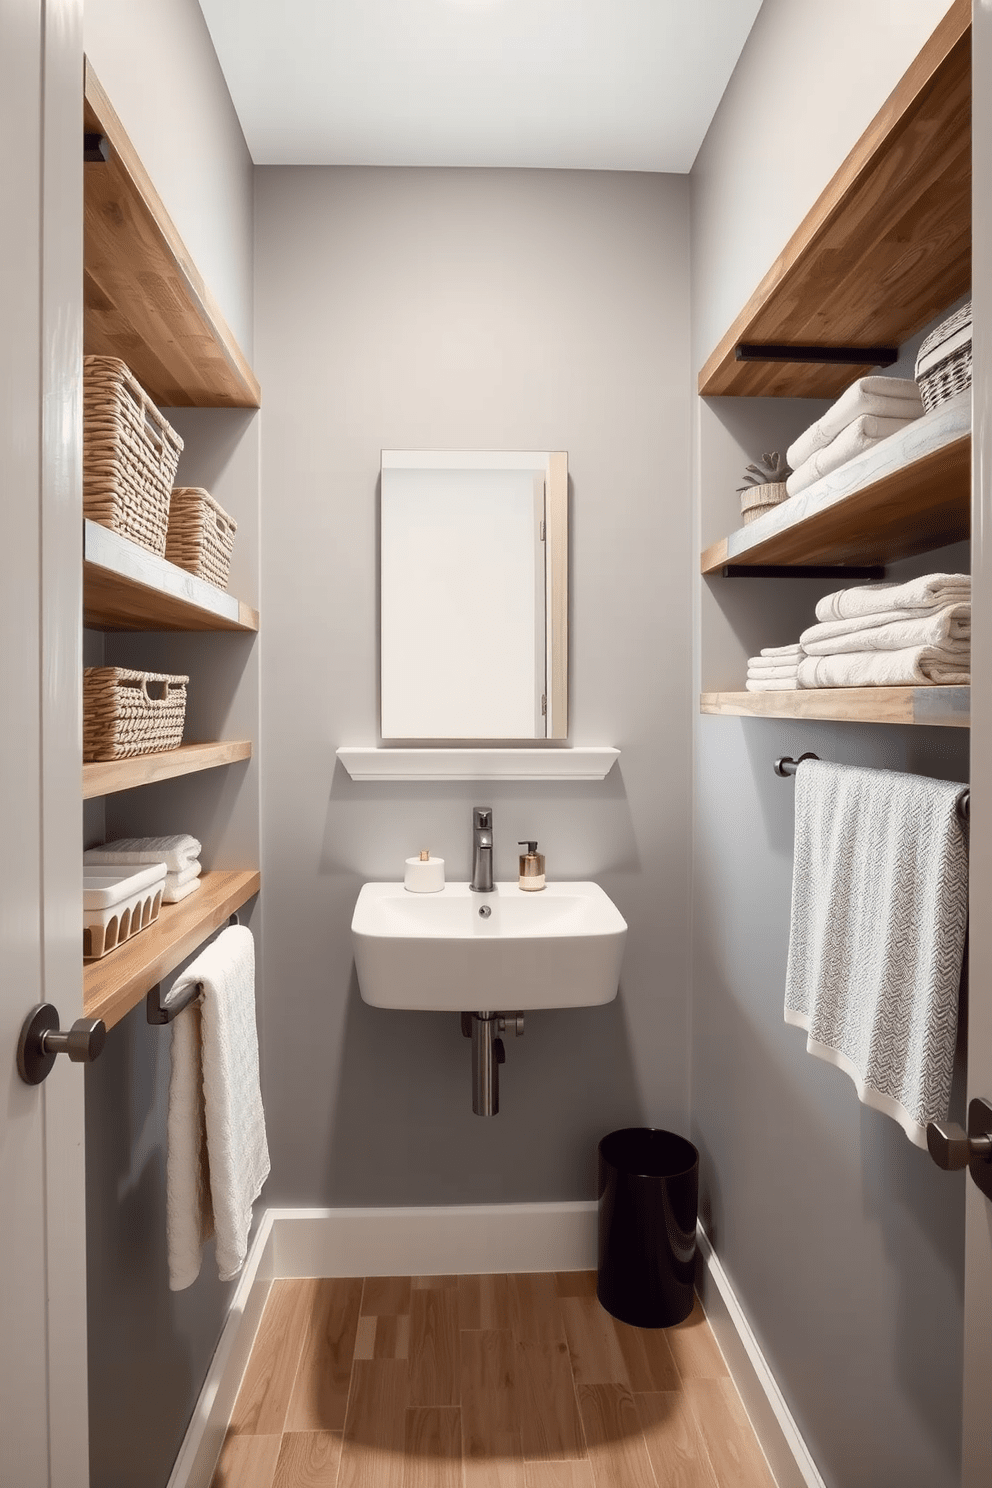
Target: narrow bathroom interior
<point>474,949</point>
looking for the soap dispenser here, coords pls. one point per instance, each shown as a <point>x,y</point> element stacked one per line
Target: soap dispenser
<point>531,867</point>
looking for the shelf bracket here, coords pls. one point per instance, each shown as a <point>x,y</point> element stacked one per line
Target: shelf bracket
<point>800,571</point>
<point>96,149</point>
<point>851,356</point>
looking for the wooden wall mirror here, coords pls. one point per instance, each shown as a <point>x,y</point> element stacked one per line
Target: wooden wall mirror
<point>474,595</point>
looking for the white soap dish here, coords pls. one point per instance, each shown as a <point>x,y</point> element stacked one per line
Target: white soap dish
<point>117,903</point>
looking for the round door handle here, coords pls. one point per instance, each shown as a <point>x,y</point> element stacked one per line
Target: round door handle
<point>42,1040</point>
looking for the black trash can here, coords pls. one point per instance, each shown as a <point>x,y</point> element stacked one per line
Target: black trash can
<point>648,1193</point>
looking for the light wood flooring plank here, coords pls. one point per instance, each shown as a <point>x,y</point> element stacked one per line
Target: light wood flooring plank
<point>386,1296</point>
<point>435,1358</point>
<point>559,1475</point>
<point>308,1459</point>
<point>673,1440</point>
<point>648,1358</point>
<point>576,1283</point>
<point>375,1427</point>
<point>490,1426</point>
<point>592,1343</point>
<point>535,1315</point>
<point>617,1450</point>
<point>433,1448</point>
<point>434,1283</point>
<point>546,1407</point>
<point>494,1472</point>
<point>246,1462</point>
<point>263,1400</point>
<point>734,1453</point>
<point>694,1349</point>
<point>365,1338</point>
<point>320,1394</point>
<point>484,1302</point>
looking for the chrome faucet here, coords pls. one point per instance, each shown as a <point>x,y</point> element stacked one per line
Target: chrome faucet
<point>482,850</point>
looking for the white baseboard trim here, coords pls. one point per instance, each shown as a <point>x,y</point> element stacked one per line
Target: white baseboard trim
<point>194,1467</point>
<point>788,1456</point>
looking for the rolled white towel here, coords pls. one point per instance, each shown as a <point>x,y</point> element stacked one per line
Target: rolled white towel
<point>863,434</point>
<point>173,893</point>
<point>917,666</point>
<point>175,852</point>
<point>949,629</point>
<point>932,591</point>
<point>886,397</point>
<point>777,684</point>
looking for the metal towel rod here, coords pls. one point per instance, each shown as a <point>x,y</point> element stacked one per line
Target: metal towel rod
<point>159,1013</point>
<point>788,766</point>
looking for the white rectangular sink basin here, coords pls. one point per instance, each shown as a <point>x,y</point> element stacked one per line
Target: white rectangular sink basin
<point>560,946</point>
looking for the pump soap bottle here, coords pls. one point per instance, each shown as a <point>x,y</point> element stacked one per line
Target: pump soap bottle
<point>531,867</point>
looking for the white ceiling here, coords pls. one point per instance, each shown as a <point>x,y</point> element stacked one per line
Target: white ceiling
<point>580,84</point>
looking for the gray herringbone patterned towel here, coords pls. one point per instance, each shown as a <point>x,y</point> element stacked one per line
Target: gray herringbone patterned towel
<point>879,912</point>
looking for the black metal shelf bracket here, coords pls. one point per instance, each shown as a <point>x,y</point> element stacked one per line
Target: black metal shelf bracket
<point>845,356</point>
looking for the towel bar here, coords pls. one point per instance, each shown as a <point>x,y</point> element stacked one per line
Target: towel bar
<point>788,766</point>
<point>159,1013</point>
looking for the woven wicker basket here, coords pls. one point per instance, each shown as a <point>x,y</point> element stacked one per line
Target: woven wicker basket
<point>127,713</point>
<point>759,499</point>
<point>943,367</point>
<point>201,535</point>
<point>130,454</point>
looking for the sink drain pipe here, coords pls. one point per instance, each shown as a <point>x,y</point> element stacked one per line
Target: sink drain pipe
<point>488,1053</point>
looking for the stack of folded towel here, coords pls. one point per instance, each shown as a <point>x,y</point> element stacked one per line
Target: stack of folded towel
<point>916,634</point>
<point>869,411</point>
<point>180,854</point>
<point>775,670</point>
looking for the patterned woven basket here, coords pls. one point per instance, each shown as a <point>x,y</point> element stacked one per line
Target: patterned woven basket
<point>201,535</point>
<point>127,713</point>
<point>759,499</point>
<point>943,367</point>
<point>130,454</point>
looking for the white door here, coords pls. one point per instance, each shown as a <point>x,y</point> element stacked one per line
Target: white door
<point>977,1471</point>
<point>43,1430</point>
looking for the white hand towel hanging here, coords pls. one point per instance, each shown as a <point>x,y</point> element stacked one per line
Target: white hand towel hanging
<point>218,1157</point>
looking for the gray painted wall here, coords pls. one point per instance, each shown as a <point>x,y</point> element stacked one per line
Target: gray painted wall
<point>843,1241</point>
<point>469,309</point>
<point>149,1348</point>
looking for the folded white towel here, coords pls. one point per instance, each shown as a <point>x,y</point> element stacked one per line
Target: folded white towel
<point>916,666</point>
<point>863,434</point>
<point>885,397</point>
<point>176,880</point>
<point>768,673</point>
<point>932,591</point>
<point>793,649</point>
<point>218,1157</point>
<point>175,852</point>
<point>949,629</point>
<point>879,911</point>
<point>774,684</point>
<point>173,893</point>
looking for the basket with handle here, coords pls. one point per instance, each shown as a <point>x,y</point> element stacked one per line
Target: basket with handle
<point>130,454</point>
<point>127,712</point>
<point>943,366</point>
<point>201,535</point>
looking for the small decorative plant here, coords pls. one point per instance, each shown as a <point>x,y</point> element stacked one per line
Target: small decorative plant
<point>764,485</point>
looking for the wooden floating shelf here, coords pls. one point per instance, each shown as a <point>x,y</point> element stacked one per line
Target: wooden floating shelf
<point>919,507</point>
<point>125,587</point>
<point>886,247</point>
<point>106,777</point>
<point>943,707</point>
<point>118,982</point>
<point>144,299</point>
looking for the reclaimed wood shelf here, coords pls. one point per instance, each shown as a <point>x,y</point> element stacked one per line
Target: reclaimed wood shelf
<point>885,248</point>
<point>126,587</point>
<point>106,777</point>
<point>115,984</point>
<point>943,707</point>
<point>144,299</point>
<point>919,507</point>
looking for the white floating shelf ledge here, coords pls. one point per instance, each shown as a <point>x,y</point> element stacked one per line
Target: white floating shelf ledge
<point>369,763</point>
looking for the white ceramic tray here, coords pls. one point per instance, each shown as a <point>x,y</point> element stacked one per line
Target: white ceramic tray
<point>117,903</point>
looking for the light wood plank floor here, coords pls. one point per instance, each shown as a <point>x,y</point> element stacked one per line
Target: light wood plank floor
<point>481,1382</point>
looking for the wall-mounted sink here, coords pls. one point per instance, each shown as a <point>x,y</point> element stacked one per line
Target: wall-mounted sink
<point>510,949</point>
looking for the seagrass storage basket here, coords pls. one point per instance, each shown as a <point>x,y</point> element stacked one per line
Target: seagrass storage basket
<point>943,367</point>
<point>201,535</point>
<point>130,454</point>
<point>127,713</point>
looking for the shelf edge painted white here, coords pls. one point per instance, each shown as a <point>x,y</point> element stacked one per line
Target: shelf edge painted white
<point>108,550</point>
<point>583,763</point>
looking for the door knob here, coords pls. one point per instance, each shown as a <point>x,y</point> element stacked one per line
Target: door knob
<point>42,1040</point>
<point>952,1147</point>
